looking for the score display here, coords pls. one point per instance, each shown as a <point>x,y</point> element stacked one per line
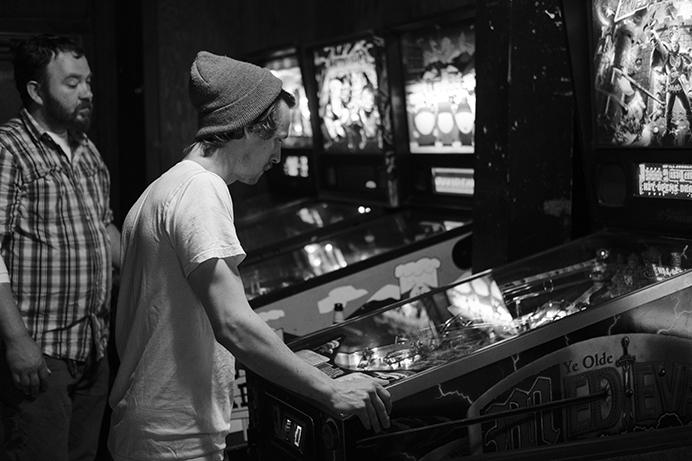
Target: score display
<point>661,180</point>
<point>455,181</point>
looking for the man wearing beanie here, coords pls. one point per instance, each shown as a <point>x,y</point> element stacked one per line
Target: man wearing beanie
<point>182,314</point>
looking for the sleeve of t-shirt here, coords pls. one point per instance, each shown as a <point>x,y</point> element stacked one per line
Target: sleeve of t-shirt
<point>201,223</point>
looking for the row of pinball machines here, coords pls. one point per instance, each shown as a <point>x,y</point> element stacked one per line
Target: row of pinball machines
<point>380,203</point>
<point>363,210</point>
<point>579,352</point>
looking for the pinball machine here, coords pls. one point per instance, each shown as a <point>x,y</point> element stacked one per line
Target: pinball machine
<point>437,93</point>
<point>579,352</point>
<point>291,211</point>
<point>582,349</point>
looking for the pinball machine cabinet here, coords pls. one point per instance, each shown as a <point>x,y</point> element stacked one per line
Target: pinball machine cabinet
<point>577,351</point>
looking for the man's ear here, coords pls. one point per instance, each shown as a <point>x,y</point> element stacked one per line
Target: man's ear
<point>34,90</point>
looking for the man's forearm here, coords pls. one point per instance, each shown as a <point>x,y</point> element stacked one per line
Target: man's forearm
<point>24,357</point>
<point>258,347</point>
<point>240,330</point>
<point>261,350</point>
<point>11,324</point>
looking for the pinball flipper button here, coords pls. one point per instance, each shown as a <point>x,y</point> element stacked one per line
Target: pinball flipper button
<point>330,435</point>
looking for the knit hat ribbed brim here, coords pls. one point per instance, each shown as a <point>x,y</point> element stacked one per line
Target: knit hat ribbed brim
<point>229,94</point>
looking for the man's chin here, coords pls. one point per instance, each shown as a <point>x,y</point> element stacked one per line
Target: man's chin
<point>81,124</point>
<point>250,181</point>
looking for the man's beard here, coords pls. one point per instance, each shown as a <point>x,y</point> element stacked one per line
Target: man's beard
<point>77,120</point>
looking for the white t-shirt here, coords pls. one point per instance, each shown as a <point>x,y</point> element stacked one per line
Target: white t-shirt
<point>63,142</point>
<point>173,393</point>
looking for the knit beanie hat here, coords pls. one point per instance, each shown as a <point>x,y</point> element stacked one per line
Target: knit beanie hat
<point>229,94</point>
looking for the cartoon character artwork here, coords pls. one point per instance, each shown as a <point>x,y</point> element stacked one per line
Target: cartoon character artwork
<point>349,97</point>
<point>440,86</point>
<point>642,64</point>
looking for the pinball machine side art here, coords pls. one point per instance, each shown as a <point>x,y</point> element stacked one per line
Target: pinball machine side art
<point>640,382</point>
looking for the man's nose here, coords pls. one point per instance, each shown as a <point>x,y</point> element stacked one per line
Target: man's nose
<point>86,92</point>
<point>276,158</point>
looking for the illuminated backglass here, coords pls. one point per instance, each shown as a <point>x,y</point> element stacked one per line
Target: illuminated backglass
<point>642,54</point>
<point>285,66</point>
<point>349,96</point>
<point>440,85</point>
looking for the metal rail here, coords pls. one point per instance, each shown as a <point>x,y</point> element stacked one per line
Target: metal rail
<point>492,416</point>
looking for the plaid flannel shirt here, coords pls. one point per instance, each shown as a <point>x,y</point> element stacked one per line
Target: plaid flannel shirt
<point>53,238</point>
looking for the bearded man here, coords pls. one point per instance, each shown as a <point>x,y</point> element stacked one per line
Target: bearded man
<point>58,244</point>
